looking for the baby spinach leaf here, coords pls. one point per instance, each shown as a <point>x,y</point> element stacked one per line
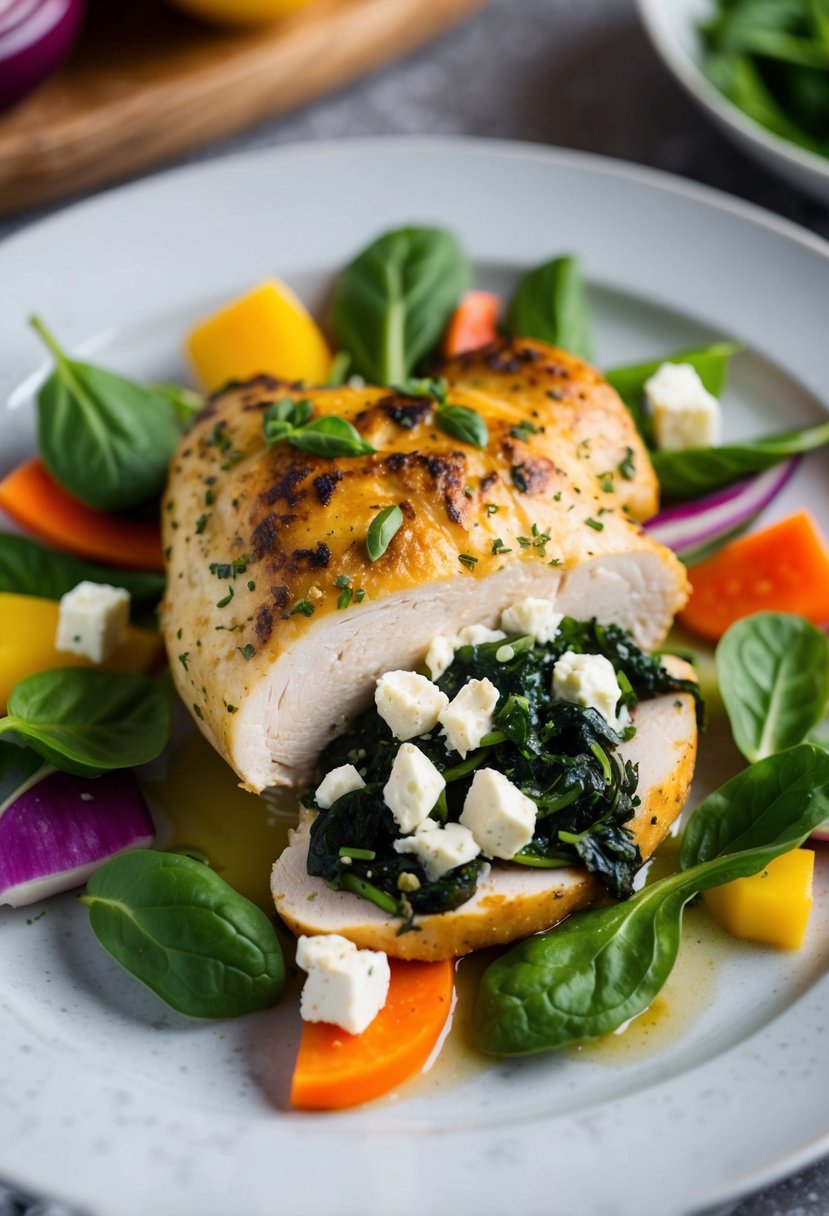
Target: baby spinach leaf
<point>699,471</point>
<point>772,802</point>
<point>382,531</point>
<point>180,929</point>
<point>550,304</point>
<point>773,671</point>
<point>89,722</point>
<point>392,303</point>
<point>463,423</point>
<point>104,438</point>
<point>27,568</point>
<point>587,976</point>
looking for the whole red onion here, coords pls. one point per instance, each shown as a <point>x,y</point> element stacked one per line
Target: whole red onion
<point>35,35</point>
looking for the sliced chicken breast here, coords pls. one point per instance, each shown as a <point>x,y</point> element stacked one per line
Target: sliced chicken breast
<point>512,901</point>
<point>277,623</point>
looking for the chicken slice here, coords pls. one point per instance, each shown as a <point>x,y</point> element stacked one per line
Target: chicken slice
<point>512,901</point>
<point>276,622</point>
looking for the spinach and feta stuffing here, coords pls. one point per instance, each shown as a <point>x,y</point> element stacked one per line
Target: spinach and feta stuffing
<point>559,755</point>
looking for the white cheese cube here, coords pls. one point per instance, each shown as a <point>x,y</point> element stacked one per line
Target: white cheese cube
<point>439,656</point>
<point>339,781</point>
<point>345,986</point>
<point>439,849</point>
<point>468,717</point>
<point>685,414</point>
<point>478,635</point>
<point>533,616</point>
<point>589,680</point>
<point>92,620</point>
<point>413,787</point>
<point>408,703</point>
<point>498,815</point>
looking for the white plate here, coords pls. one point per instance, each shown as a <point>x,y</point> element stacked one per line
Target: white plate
<point>672,25</point>
<point>109,1099</point>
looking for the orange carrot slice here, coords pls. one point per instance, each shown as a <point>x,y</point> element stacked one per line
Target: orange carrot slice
<point>783,568</point>
<point>31,496</point>
<point>336,1069</point>
<point>473,323</point>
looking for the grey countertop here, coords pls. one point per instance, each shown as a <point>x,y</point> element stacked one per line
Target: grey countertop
<point>578,74</point>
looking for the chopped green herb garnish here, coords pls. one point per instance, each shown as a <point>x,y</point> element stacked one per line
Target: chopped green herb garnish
<point>184,659</point>
<point>492,508</point>
<point>223,603</point>
<point>627,467</point>
<point>523,431</point>
<point>197,711</point>
<point>201,523</point>
<point>499,547</point>
<point>466,559</point>
<point>247,652</point>
<point>606,482</point>
<point>303,607</point>
<point>251,585</point>
<point>595,524</point>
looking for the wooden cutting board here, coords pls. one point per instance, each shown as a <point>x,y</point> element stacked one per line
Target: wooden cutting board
<point>146,83</point>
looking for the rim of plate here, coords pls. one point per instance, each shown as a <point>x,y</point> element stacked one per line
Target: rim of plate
<point>689,74</point>
<point>517,149</point>
<point>60,225</point>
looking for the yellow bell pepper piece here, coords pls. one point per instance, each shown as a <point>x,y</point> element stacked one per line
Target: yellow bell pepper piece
<point>27,644</point>
<point>268,330</point>
<point>773,906</point>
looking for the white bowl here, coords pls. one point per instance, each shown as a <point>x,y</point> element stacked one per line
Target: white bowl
<point>671,26</point>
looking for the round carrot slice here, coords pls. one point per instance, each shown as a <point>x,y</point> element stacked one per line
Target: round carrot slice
<point>335,1069</point>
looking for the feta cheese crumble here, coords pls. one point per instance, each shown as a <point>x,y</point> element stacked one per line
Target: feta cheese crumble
<point>92,620</point>
<point>439,656</point>
<point>468,717</point>
<point>685,414</point>
<point>441,652</point>
<point>413,787</point>
<point>409,704</point>
<point>345,986</point>
<point>590,680</point>
<point>498,815</point>
<point>439,849</point>
<point>339,781</point>
<point>533,616</point>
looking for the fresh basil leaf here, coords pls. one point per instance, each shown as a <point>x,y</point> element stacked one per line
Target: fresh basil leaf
<point>773,672</point>
<point>27,568</point>
<point>89,722</point>
<point>710,363</point>
<point>382,531</point>
<point>421,386</point>
<point>590,974</point>
<point>392,303</point>
<point>463,423</point>
<point>180,929</point>
<point>104,438</point>
<point>330,436</point>
<point>185,401</point>
<point>282,416</point>
<point>696,471</point>
<point>551,305</point>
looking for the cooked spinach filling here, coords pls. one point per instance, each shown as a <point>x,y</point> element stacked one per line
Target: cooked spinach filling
<point>562,756</point>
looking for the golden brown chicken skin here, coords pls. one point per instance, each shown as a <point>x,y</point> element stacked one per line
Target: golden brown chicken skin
<point>277,622</point>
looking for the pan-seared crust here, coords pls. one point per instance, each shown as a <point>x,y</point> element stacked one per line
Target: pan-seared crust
<point>512,902</point>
